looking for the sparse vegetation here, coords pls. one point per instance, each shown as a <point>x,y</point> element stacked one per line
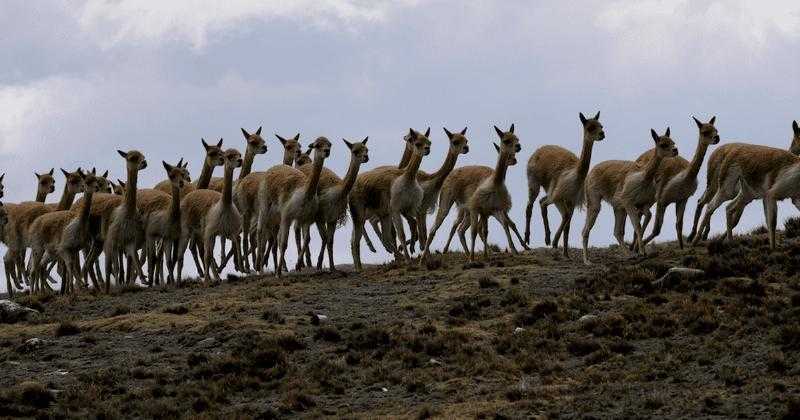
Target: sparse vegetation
<point>390,346</point>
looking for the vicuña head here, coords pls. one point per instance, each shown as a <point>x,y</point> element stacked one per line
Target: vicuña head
<point>214,156</point>
<point>233,158</point>
<point>709,134</point>
<point>665,147</point>
<point>509,143</point>
<point>46,182</point>
<point>255,142</point>
<point>419,142</point>
<point>291,148</point>
<point>74,181</point>
<point>91,182</point>
<point>358,149</point>
<point>592,129</point>
<point>303,158</point>
<point>178,175</point>
<point>134,160</point>
<point>103,185</point>
<point>458,141</point>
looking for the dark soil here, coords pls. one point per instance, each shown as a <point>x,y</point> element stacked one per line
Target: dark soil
<point>503,339</point>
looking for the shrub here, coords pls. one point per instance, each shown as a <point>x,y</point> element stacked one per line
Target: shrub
<point>66,328</point>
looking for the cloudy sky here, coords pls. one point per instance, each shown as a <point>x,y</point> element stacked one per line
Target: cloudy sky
<point>81,79</point>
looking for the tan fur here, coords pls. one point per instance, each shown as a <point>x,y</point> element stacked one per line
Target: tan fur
<point>714,181</point>
<point>292,195</point>
<point>126,229</point>
<point>214,157</point>
<point>629,189</point>
<point>245,196</point>
<point>389,194</point>
<point>222,219</point>
<point>677,180</point>
<point>164,225</point>
<point>45,185</point>
<point>562,175</point>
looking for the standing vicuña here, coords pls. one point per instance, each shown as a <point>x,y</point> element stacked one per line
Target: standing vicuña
<point>562,175</point>
<point>628,187</point>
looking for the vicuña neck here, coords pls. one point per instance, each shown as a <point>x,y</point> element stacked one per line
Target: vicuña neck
<point>227,186</point>
<point>67,197</point>
<point>205,176</point>
<point>41,196</point>
<point>175,204</point>
<point>585,159</point>
<point>407,154</point>
<point>449,163</point>
<point>412,169</point>
<point>130,191</point>
<point>652,167</point>
<point>86,210</point>
<point>288,157</point>
<point>350,178</point>
<point>247,165</point>
<point>313,181</point>
<point>499,175</point>
<point>697,160</point>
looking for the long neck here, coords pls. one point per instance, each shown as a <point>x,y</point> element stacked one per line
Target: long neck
<point>86,209</point>
<point>41,195</point>
<point>247,165</point>
<point>407,154</point>
<point>130,191</point>
<point>499,175</point>
<point>697,160</point>
<point>412,169</point>
<point>652,167</point>
<point>227,186</point>
<point>449,163</point>
<point>313,180</point>
<point>585,159</point>
<point>67,197</point>
<point>350,178</point>
<point>205,176</point>
<point>288,158</point>
<point>175,204</point>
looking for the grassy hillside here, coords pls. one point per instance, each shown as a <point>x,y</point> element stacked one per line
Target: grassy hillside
<point>497,340</point>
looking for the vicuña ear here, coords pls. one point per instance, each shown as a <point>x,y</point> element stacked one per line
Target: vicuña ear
<point>428,132</point>
<point>583,119</point>
<point>449,134</point>
<point>180,162</point>
<point>105,174</point>
<point>496,147</point>
<point>258,132</point>
<point>94,170</point>
<point>349,145</point>
<point>282,140</point>
<point>64,172</point>
<point>411,134</point>
<point>205,145</point>
<point>712,120</point>
<point>297,137</point>
<point>245,133</point>
<point>596,116</point>
<point>498,131</point>
<point>166,166</point>
<point>123,154</point>
<point>654,134</point>
<point>37,175</point>
<point>51,169</point>
<point>464,131</point>
<point>667,133</point>
<point>511,130</point>
<point>219,143</point>
<point>795,128</point>
<point>365,140</point>
<point>696,121</point>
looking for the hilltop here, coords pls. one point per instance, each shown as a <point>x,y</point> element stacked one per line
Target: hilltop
<point>516,335</point>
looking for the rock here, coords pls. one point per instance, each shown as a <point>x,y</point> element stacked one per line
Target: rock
<point>676,274</point>
<point>11,312</point>
<point>587,319</point>
<point>434,362</point>
<point>384,389</point>
<point>519,330</point>
<point>208,342</point>
<point>33,343</point>
<point>317,319</point>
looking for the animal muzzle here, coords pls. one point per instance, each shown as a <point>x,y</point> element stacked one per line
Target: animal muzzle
<point>675,152</point>
<point>365,159</point>
<point>716,140</point>
<point>143,165</point>
<point>602,135</point>
<point>465,150</point>
<point>518,148</point>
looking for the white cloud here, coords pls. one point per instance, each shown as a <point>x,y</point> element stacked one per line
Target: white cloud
<point>196,21</point>
<point>656,28</point>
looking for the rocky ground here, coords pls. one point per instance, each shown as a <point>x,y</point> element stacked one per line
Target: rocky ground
<point>516,336</point>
